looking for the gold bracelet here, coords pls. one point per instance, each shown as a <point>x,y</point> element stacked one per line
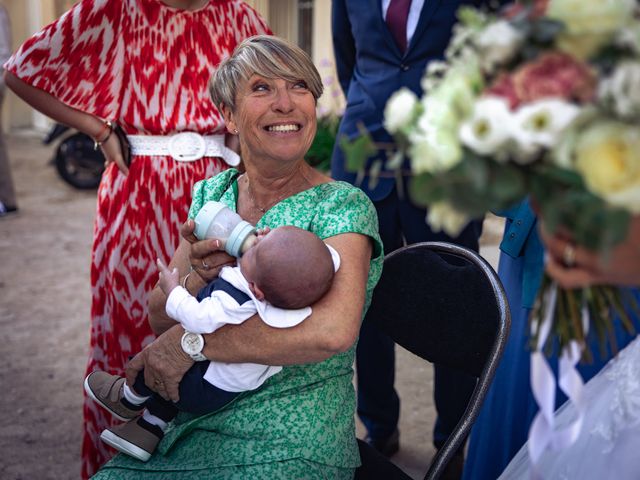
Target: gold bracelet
<point>107,126</point>
<point>183,283</point>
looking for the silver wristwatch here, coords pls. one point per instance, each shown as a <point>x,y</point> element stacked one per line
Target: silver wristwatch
<point>192,344</point>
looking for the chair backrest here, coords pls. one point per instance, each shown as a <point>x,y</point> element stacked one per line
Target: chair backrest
<point>446,304</point>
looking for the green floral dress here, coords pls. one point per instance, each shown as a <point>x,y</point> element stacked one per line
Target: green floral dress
<point>300,423</point>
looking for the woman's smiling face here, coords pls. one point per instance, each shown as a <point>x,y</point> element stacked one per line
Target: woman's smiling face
<point>275,118</point>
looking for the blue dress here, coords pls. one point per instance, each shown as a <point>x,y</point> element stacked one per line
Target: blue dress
<point>503,424</point>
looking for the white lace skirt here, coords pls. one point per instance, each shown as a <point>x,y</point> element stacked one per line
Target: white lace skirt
<point>609,444</point>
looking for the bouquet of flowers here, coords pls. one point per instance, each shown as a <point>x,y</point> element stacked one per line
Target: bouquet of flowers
<point>542,100</point>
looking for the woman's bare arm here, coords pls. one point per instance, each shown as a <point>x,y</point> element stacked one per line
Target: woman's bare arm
<point>62,113</point>
<point>332,328</point>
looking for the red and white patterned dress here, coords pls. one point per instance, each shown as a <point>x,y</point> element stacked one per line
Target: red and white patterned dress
<point>145,65</point>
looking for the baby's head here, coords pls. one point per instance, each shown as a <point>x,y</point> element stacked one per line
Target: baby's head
<point>288,267</point>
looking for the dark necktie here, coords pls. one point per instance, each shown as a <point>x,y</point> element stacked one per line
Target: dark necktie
<point>397,14</point>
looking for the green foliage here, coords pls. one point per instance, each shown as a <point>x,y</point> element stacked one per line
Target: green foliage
<point>321,150</point>
<point>471,17</point>
<point>565,202</point>
<point>474,186</point>
<point>357,151</point>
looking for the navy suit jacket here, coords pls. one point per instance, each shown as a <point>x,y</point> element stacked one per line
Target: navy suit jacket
<point>371,67</point>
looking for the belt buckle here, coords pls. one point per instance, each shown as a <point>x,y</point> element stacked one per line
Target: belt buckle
<point>187,146</point>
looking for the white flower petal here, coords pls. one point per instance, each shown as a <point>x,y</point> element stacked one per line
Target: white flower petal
<point>539,125</point>
<point>487,132</point>
<point>443,217</point>
<point>399,110</point>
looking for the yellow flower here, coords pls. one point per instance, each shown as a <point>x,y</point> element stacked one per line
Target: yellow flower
<point>590,23</point>
<point>607,155</point>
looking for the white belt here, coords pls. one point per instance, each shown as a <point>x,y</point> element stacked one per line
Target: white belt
<point>183,146</point>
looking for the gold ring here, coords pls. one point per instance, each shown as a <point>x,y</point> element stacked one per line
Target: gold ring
<point>159,382</point>
<point>569,255</point>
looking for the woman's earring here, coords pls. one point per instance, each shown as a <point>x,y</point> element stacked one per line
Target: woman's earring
<point>235,131</point>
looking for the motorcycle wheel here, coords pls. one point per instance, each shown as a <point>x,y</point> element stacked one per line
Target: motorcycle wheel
<point>78,163</point>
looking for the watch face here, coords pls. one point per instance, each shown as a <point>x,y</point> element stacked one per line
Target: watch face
<point>192,343</point>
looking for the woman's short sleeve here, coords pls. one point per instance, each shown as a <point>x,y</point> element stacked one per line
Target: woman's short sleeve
<point>78,58</point>
<point>344,208</point>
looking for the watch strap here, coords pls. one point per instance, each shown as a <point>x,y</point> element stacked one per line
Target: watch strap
<point>198,357</point>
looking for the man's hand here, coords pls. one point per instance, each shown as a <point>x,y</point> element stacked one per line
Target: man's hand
<point>164,363</point>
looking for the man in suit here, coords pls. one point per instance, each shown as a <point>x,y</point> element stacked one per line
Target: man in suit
<point>374,58</point>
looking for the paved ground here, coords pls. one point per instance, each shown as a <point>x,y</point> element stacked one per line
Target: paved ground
<point>44,327</point>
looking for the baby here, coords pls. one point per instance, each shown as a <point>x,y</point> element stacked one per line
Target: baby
<point>284,271</point>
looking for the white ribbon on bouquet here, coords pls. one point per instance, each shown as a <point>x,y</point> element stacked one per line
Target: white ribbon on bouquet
<point>543,434</point>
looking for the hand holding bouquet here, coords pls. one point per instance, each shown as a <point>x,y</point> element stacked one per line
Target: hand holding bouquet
<point>542,101</point>
<point>621,266</point>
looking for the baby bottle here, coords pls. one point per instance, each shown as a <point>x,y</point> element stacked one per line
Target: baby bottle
<point>216,220</point>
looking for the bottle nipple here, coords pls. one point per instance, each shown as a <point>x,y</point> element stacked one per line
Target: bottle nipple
<point>248,243</point>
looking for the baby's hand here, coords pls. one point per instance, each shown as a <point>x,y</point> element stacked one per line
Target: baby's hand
<point>168,278</point>
<point>261,232</point>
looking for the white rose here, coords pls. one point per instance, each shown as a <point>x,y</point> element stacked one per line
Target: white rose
<point>437,114</point>
<point>622,90</point>
<point>441,216</point>
<point>399,111</point>
<point>434,144</point>
<point>461,86</point>
<point>539,125</point>
<point>629,37</point>
<point>487,132</point>
<point>434,151</point>
<point>498,43</point>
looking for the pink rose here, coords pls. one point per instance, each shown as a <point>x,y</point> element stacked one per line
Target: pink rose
<point>555,74</point>
<point>538,9</point>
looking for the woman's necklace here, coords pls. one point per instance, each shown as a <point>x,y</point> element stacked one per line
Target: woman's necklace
<point>286,194</point>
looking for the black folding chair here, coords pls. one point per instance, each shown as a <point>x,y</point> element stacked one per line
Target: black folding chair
<point>446,304</point>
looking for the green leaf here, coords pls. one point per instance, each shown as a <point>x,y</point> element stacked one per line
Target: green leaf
<point>565,202</point>
<point>507,184</point>
<point>474,186</point>
<point>425,189</point>
<point>545,30</point>
<point>357,151</point>
<point>321,150</point>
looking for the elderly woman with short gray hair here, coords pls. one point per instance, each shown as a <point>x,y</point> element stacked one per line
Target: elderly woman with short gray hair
<point>300,424</point>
